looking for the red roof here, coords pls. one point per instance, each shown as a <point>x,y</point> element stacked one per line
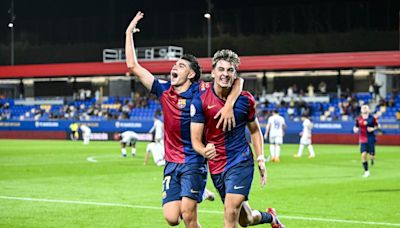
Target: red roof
<point>248,63</point>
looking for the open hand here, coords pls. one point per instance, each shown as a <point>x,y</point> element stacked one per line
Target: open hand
<point>132,26</point>
<point>227,118</point>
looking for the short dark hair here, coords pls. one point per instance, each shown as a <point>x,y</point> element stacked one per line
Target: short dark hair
<point>275,111</point>
<point>194,65</point>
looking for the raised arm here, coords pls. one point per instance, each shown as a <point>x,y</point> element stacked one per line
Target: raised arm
<point>144,76</point>
<point>258,145</point>
<point>227,116</point>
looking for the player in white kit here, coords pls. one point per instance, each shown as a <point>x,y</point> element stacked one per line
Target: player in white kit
<point>128,138</point>
<point>156,148</point>
<point>275,129</point>
<point>86,132</point>
<point>158,129</point>
<point>157,151</point>
<point>305,139</point>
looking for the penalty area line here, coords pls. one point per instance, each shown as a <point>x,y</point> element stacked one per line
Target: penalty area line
<point>201,211</point>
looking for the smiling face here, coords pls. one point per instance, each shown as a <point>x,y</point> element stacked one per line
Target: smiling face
<point>181,73</point>
<point>224,74</point>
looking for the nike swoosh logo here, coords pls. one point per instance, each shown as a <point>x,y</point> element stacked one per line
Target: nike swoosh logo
<point>211,106</point>
<point>237,187</point>
<point>194,191</point>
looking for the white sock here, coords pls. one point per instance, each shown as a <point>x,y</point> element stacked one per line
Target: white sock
<point>272,150</point>
<point>311,150</point>
<point>278,150</point>
<point>301,148</point>
<point>123,151</point>
<point>133,150</point>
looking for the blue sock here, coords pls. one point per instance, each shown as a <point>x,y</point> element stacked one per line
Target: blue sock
<point>265,217</point>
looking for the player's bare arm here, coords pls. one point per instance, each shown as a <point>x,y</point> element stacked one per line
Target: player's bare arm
<point>145,77</point>
<point>196,131</point>
<point>227,117</point>
<point>266,131</point>
<point>258,145</point>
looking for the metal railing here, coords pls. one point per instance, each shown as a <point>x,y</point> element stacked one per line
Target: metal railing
<point>144,53</point>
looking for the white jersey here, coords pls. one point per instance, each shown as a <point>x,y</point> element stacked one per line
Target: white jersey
<point>158,127</point>
<point>276,123</point>
<point>85,129</point>
<point>157,150</point>
<point>307,126</point>
<point>129,136</point>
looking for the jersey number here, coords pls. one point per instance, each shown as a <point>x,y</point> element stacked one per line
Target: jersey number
<point>277,125</point>
<point>166,182</point>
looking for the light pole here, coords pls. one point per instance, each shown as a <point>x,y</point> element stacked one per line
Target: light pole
<point>11,26</point>
<point>208,17</point>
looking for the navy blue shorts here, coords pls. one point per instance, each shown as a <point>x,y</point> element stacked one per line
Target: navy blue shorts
<point>368,147</point>
<point>236,180</point>
<point>183,180</point>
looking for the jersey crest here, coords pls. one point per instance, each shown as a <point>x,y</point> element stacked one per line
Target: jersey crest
<point>181,103</point>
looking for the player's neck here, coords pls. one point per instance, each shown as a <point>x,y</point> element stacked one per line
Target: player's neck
<point>364,116</point>
<point>222,92</point>
<point>182,88</point>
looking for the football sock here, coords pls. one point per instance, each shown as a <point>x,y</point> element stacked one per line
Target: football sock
<point>311,150</point>
<point>272,150</point>
<point>365,165</point>
<point>265,217</point>
<point>133,151</point>
<point>300,152</point>
<point>123,151</point>
<point>277,151</point>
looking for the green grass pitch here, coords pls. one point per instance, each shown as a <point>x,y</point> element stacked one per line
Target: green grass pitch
<point>52,184</point>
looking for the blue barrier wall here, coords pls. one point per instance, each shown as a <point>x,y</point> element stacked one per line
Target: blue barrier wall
<point>143,126</point>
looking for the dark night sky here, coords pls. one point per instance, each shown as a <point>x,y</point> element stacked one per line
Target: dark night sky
<point>66,22</point>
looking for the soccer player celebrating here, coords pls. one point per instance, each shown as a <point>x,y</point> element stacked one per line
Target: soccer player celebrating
<point>305,139</point>
<point>230,157</point>
<point>365,125</point>
<point>185,172</point>
<point>276,129</point>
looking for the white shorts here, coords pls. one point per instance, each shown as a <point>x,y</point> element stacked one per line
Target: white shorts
<point>128,140</point>
<point>275,140</point>
<point>305,141</point>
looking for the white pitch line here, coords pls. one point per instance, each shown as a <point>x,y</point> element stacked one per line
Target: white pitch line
<point>91,159</point>
<point>202,211</point>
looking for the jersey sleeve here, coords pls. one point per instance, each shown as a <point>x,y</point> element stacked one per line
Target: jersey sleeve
<point>252,108</point>
<point>196,110</point>
<point>158,88</point>
<point>203,86</point>
<point>374,121</point>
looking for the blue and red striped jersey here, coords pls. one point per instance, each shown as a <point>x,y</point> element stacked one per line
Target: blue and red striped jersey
<point>232,146</point>
<point>176,109</point>
<point>364,136</point>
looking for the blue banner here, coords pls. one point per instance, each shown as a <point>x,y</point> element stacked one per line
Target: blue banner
<point>143,126</point>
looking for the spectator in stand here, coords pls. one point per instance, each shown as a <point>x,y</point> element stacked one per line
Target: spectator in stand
<point>310,90</point>
<point>322,87</point>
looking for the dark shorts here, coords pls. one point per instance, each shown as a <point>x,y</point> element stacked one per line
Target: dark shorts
<point>368,147</point>
<point>236,180</point>
<point>183,180</point>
